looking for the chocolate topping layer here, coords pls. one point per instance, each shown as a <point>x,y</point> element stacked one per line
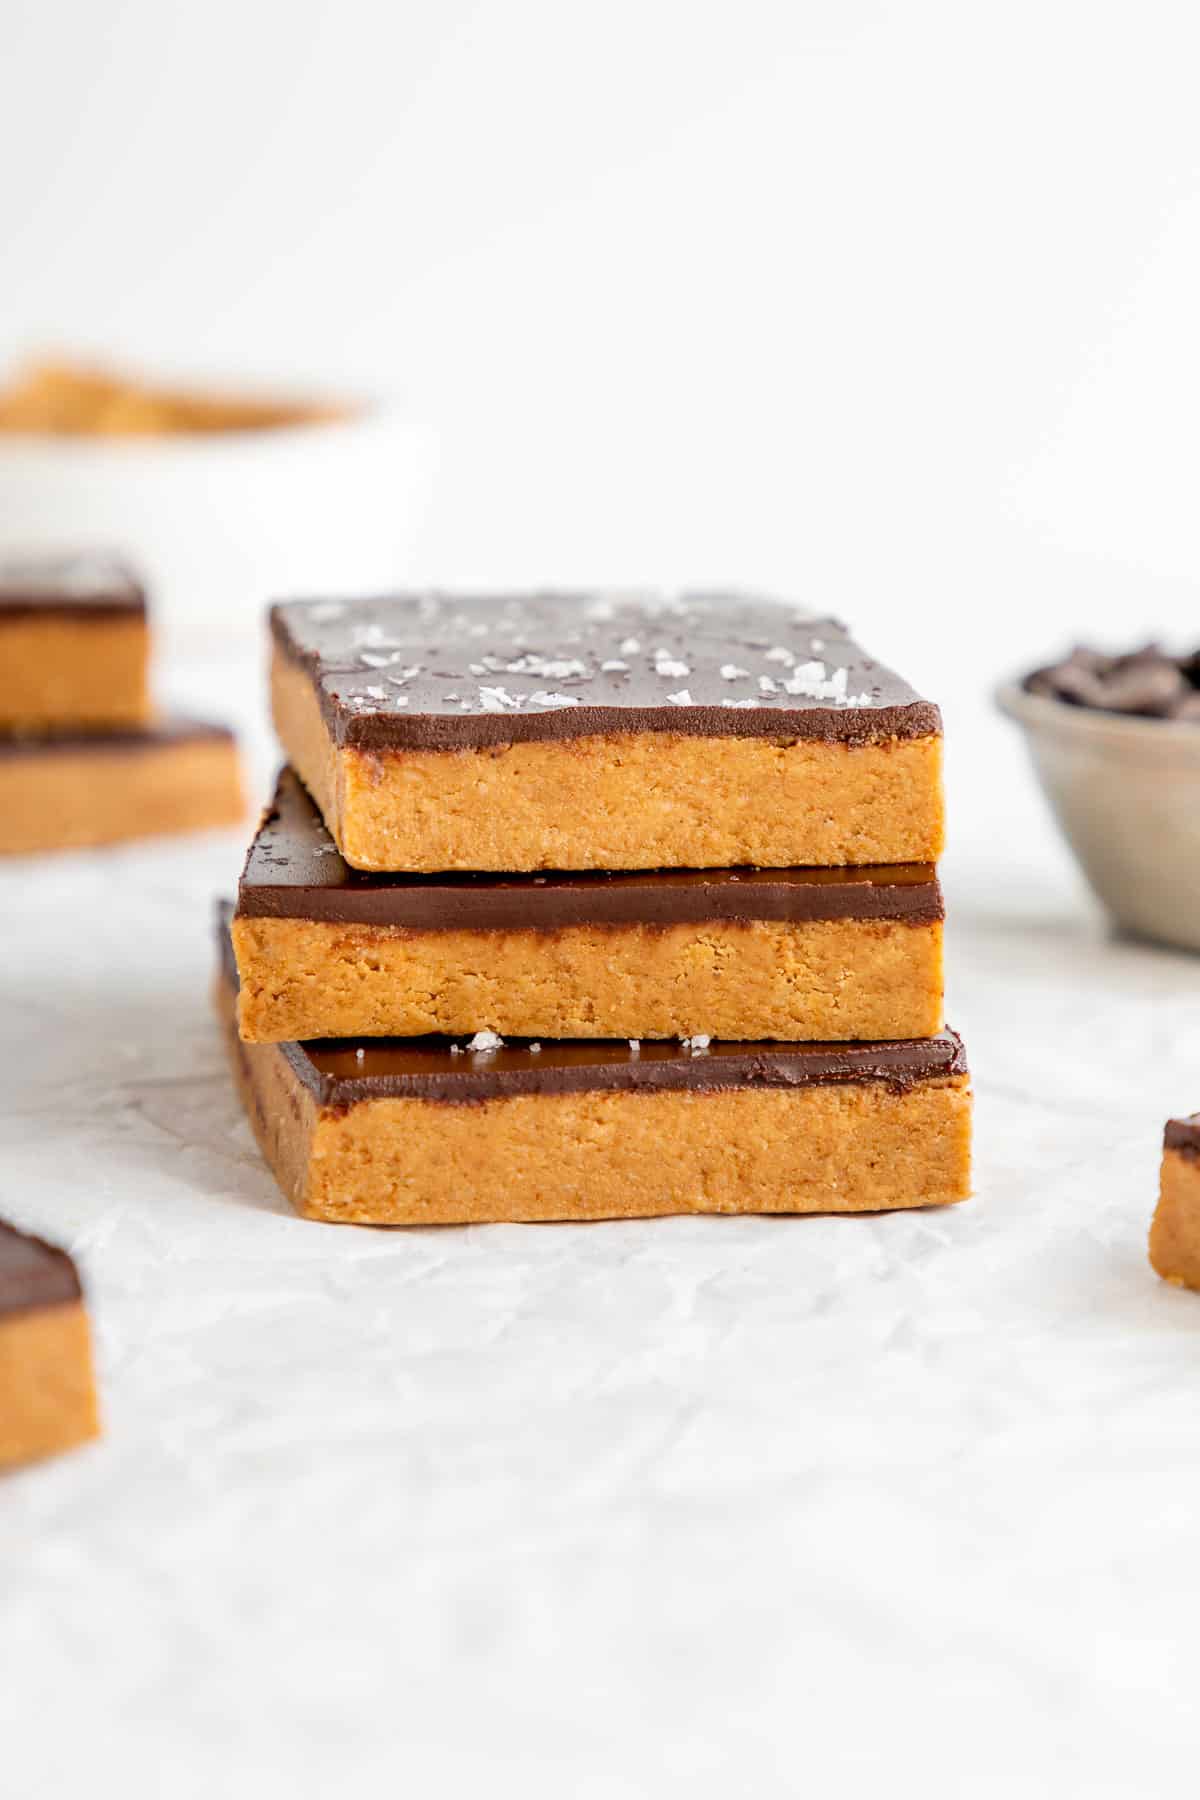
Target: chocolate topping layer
<point>1183,1135</point>
<point>441,672</point>
<point>88,586</point>
<point>156,736</point>
<point>294,871</point>
<point>33,1273</point>
<point>341,1073</point>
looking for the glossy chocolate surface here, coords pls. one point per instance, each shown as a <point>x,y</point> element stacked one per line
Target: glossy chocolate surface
<point>444,672</point>
<point>342,1073</point>
<point>294,871</point>
<point>33,1273</point>
<point>87,586</point>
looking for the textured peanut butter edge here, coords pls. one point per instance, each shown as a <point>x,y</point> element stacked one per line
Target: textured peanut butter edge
<point>432,811</point>
<point>293,871</point>
<point>839,979</point>
<point>403,1068</point>
<point>402,1161</point>
<point>90,792</point>
<point>81,670</point>
<point>1175,1229</point>
<point>48,1396</point>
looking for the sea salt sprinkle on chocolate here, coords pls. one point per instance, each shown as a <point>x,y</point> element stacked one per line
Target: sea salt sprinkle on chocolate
<point>485,1042</point>
<point>549,668</point>
<point>696,1046</point>
<point>544,655</point>
<point>670,666</point>
<point>498,699</point>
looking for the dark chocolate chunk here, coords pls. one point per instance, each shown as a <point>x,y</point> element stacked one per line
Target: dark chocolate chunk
<point>33,1273</point>
<point>1147,683</point>
<point>91,585</point>
<point>293,870</point>
<point>341,1073</point>
<point>439,672</point>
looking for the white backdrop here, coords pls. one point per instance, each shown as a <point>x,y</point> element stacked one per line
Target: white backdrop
<point>890,303</point>
<point>889,306</point>
<point>892,307</point>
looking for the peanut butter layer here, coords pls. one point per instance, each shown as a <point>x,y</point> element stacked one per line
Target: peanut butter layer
<point>407,1132</point>
<point>79,791</point>
<point>557,732</point>
<point>828,979</point>
<point>74,646</point>
<point>325,950</point>
<point>47,1389</point>
<point>1175,1231</point>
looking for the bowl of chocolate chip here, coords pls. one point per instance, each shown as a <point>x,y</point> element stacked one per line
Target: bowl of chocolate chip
<point>1115,741</point>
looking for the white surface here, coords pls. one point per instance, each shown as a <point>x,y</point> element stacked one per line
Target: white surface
<point>696,1506</point>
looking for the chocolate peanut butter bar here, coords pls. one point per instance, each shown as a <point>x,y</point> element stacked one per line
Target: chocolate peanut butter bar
<point>1175,1232</point>
<point>325,950</point>
<point>74,645</point>
<point>566,732</point>
<point>422,1131</point>
<point>47,1390</point>
<point>75,790</point>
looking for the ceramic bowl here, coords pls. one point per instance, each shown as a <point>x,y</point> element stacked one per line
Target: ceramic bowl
<point>1126,794</point>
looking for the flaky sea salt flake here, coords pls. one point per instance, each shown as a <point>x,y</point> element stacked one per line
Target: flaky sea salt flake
<point>543,697</point>
<point>498,699</point>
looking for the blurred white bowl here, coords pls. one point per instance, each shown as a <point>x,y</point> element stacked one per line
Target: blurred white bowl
<point>1126,794</point>
<point>221,522</point>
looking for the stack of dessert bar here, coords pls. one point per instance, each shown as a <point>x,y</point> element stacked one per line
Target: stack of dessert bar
<point>84,759</point>
<point>574,908</point>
